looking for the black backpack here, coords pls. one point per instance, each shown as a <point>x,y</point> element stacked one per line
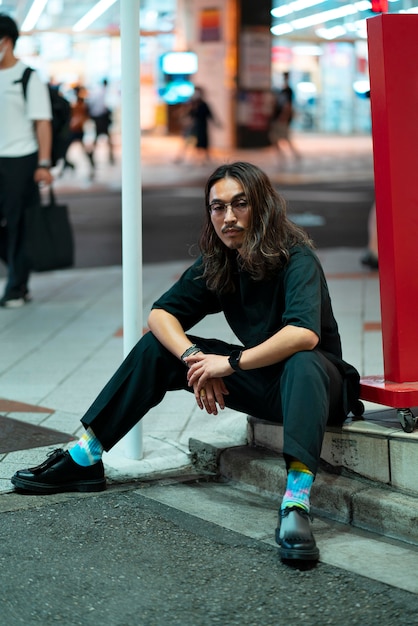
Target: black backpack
<point>61,114</point>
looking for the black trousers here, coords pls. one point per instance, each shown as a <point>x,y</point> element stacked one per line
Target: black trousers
<point>18,192</point>
<point>304,393</point>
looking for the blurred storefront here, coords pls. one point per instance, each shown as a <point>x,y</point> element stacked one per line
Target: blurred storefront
<point>238,51</point>
<point>330,83</point>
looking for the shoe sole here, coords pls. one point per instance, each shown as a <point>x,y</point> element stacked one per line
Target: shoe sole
<point>40,488</point>
<point>13,304</point>
<point>287,554</point>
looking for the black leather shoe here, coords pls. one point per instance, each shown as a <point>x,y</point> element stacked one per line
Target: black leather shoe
<point>60,473</point>
<point>294,535</point>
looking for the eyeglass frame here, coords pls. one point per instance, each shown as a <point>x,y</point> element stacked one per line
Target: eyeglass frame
<point>225,205</point>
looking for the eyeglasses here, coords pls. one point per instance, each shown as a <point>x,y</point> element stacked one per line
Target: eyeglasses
<point>219,209</point>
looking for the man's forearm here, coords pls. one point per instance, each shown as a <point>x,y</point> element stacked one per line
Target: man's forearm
<point>282,345</point>
<point>43,130</point>
<point>168,331</point>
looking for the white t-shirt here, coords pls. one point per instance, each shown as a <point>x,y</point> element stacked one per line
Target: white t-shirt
<point>97,103</point>
<point>17,135</point>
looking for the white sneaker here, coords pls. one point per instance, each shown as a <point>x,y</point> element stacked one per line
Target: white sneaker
<point>12,303</point>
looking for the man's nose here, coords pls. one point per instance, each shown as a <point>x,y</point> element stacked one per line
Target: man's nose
<point>229,214</point>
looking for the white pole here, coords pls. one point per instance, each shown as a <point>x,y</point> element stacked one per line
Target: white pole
<point>131,195</point>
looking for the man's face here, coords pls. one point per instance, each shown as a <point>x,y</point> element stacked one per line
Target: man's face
<point>230,222</point>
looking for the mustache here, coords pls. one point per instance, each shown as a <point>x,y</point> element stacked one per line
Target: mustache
<point>236,228</point>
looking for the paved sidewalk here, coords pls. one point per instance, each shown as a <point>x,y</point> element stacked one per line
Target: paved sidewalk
<point>59,351</point>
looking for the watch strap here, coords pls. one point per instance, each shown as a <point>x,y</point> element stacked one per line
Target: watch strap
<point>234,359</point>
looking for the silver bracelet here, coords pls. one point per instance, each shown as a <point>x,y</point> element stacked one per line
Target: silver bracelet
<point>194,349</point>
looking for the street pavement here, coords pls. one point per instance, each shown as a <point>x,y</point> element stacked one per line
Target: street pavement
<point>120,557</point>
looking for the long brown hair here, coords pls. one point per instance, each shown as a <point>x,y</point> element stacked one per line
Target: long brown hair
<point>269,237</point>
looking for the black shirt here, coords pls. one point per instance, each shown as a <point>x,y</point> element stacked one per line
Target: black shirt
<point>297,295</point>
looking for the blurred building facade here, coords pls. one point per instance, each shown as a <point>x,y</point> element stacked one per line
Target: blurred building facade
<point>239,51</point>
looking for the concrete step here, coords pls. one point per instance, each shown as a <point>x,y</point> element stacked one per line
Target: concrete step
<point>375,448</point>
<point>366,478</point>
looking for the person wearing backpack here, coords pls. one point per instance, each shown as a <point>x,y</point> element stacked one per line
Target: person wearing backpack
<point>25,159</point>
<point>61,118</point>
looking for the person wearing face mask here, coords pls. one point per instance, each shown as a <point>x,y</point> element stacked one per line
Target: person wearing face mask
<point>25,160</point>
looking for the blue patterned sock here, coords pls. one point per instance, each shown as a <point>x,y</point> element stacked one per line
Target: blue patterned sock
<point>88,450</point>
<point>298,488</point>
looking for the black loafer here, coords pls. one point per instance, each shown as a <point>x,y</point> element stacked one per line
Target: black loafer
<point>60,473</point>
<point>295,537</point>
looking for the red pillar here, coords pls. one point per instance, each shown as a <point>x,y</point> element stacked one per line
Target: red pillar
<point>393,53</point>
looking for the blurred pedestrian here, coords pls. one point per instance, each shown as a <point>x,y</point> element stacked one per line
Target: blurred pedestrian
<point>202,114</point>
<point>102,116</point>
<point>281,119</point>
<point>25,159</point>
<point>259,269</point>
<point>188,132</point>
<point>79,117</point>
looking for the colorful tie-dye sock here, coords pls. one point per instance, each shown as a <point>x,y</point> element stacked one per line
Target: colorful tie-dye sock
<point>88,450</point>
<point>298,488</point>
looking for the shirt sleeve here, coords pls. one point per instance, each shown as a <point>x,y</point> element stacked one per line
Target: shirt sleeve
<point>189,299</point>
<point>303,291</point>
<point>38,100</point>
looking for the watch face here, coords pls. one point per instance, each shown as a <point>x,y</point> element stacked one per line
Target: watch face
<point>234,359</point>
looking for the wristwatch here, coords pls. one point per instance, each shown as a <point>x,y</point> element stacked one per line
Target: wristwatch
<point>44,163</point>
<point>234,359</point>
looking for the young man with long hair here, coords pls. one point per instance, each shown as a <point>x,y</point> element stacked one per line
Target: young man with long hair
<point>260,270</point>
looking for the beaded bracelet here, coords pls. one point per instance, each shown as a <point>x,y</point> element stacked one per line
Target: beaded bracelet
<point>192,350</point>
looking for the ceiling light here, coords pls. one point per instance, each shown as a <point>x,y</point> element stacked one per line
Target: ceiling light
<point>297,5</point>
<point>92,15</point>
<point>33,15</point>
<point>332,14</point>
<point>281,29</point>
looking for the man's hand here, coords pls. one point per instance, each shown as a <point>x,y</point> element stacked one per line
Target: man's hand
<point>205,375</point>
<point>43,175</point>
<point>211,396</point>
<point>205,366</point>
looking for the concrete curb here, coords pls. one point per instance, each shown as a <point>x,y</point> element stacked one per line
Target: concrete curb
<point>354,501</point>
